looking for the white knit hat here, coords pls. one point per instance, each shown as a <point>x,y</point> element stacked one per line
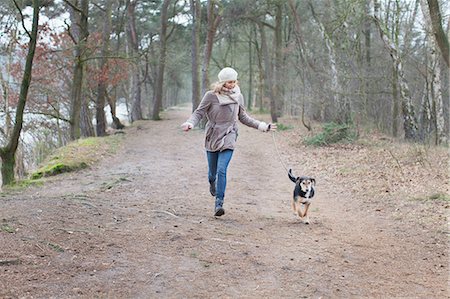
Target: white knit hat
<point>227,74</point>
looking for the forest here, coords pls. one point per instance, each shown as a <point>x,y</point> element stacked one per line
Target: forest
<point>72,69</point>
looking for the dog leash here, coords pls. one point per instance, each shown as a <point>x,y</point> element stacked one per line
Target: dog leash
<point>278,152</point>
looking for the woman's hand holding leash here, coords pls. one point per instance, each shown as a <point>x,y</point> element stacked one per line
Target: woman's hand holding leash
<point>263,127</point>
<point>272,127</point>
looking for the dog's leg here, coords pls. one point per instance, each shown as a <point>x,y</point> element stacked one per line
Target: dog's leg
<point>305,214</point>
<point>299,210</point>
<point>293,205</point>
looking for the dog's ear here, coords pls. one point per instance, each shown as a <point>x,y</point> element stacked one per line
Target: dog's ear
<point>291,176</point>
<point>313,181</point>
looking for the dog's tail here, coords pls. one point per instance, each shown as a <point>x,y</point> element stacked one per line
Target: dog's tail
<point>291,176</point>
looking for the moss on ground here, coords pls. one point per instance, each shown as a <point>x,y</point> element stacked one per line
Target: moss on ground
<point>77,155</point>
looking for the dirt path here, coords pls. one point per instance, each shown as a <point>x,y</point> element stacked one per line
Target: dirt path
<point>140,225</point>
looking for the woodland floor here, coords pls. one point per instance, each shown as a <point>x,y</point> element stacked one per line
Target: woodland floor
<point>139,224</point>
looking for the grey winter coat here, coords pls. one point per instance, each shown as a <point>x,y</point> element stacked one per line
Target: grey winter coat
<point>222,112</point>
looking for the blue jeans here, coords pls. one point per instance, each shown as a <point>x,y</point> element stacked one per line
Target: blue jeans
<point>217,172</point>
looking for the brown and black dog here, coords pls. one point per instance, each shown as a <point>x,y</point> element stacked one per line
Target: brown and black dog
<point>303,193</point>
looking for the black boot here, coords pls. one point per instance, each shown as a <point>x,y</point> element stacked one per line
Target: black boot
<point>219,210</point>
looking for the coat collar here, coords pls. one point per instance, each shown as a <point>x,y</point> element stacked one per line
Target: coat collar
<point>227,98</point>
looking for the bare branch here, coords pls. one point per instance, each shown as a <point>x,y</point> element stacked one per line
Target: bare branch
<point>69,32</point>
<point>110,57</point>
<point>22,19</point>
<point>73,6</point>
<point>99,7</point>
<point>55,116</point>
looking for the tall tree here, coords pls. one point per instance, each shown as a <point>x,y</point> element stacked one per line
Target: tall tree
<point>278,65</point>
<point>395,70</point>
<point>214,18</point>
<point>8,152</point>
<point>250,68</point>
<point>162,61</point>
<point>268,71</point>
<point>196,12</point>
<point>343,113</point>
<point>305,63</point>
<point>133,41</point>
<point>102,83</point>
<point>79,33</point>
<point>410,125</point>
<point>4,83</point>
<point>367,65</point>
<point>433,94</point>
<point>438,30</point>
<point>121,13</point>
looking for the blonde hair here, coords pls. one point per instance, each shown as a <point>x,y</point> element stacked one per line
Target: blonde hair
<point>217,86</point>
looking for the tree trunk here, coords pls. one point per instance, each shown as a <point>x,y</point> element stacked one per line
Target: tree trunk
<point>409,118</point>
<point>102,83</point>
<point>250,72</point>
<point>395,101</point>
<point>259,97</point>
<point>112,96</point>
<point>196,7</point>
<point>6,90</point>
<point>425,118</point>
<point>297,33</point>
<point>438,30</point>
<point>136,109</point>
<point>80,33</point>
<point>305,63</point>
<point>278,67</point>
<point>86,126</point>
<point>8,152</point>
<point>213,20</point>
<point>162,61</point>
<point>342,104</point>
<point>395,73</point>
<point>368,58</point>
<point>268,73</point>
<point>434,79</point>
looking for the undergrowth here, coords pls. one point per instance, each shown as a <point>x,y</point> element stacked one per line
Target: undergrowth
<point>333,133</point>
